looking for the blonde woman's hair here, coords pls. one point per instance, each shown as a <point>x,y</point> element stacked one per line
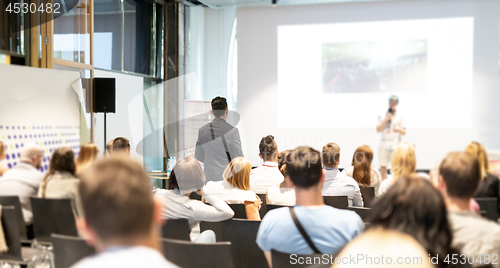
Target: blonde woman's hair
<point>237,173</point>
<point>404,161</point>
<point>88,154</point>
<point>477,150</point>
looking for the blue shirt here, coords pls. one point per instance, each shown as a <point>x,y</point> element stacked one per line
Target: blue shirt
<point>339,184</point>
<point>329,228</point>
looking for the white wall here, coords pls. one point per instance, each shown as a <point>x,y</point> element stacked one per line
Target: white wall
<point>38,106</point>
<point>258,89</point>
<point>210,36</point>
<point>121,124</point>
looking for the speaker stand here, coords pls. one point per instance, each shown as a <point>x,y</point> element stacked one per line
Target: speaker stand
<point>105,142</point>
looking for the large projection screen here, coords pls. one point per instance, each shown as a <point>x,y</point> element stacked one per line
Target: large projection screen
<point>315,74</point>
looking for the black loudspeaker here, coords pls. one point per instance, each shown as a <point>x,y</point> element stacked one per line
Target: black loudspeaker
<point>104,95</point>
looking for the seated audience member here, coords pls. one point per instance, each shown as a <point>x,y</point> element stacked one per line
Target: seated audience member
<point>337,183</point>
<point>122,219</point>
<point>268,175</point>
<point>235,188</point>
<point>434,177</point>
<point>490,184</point>
<point>375,244</point>
<point>60,181</point>
<point>403,163</point>
<point>3,155</point>
<point>361,169</point>
<point>186,177</point>
<point>413,206</point>
<point>24,179</point>
<point>121,146</point>
<point>284,194</point>
<point>328,228</point>
<point>459,177</point>
<point>109,148</point>
<point>87,156</point>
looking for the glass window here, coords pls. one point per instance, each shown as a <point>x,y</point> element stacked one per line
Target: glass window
<point>13,33</point>
<point>128,36</point>
<point>153,143</point>
<point>72,33</point>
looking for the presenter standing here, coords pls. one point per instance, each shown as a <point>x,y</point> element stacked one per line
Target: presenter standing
<point>392,128</point>
<point>218,142</point>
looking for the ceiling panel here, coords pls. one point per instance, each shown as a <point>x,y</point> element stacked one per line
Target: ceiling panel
<point>243,3</point>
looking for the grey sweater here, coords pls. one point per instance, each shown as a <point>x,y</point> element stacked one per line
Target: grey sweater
<point>180,206</point>
<point>63,185</point>
<point>473,235</point>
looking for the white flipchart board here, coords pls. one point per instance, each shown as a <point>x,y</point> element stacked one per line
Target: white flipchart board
<point>193,120</point>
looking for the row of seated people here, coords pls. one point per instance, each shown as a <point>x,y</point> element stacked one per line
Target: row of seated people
<point>269,178</point>
<point>436,214</point>
<point>61,180</point>
<point>456,178</point>
<point>123,219</point>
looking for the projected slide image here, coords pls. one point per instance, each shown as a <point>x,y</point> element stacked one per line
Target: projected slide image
<point>370,67</point>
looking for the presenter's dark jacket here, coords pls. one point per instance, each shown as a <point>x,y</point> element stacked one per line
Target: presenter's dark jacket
<point>212,152</point>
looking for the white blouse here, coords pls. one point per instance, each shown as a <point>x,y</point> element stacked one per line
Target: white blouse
<point>386,184</point>
<point>281,196</point>
<point>232,195</point>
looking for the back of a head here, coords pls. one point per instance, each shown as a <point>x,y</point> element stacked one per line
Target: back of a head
<point>461,173</point>
<point>282,162</point>
<point>404,161</point>
<point>383,248</point>
<point>477,150</point>
<point>117,199</point>
<point>88,154</point>
<point>187,175</point>
<point>2,149</point>
<point>268,148</point>
<point>29,151</point>
<point>330,155</point>
<point>237,173</point>
<point>219,106</point>
<point>121,144</point>
<point>394,98</point>
<point>62,160</point>
<point>109,146</point>
<point>362,162</point>
<point>413,206</point>
<point>303,166</point>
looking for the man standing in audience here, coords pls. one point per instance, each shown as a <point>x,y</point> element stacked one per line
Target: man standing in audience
<point>23,180</point>
<point>392,128</point>
<point>268,175</point>
<point>218,142</point>
<point>459,177</point>
<point>121,146</point>
<point>122,219</point>
<point>325,229</point>
<point>337,183</point>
